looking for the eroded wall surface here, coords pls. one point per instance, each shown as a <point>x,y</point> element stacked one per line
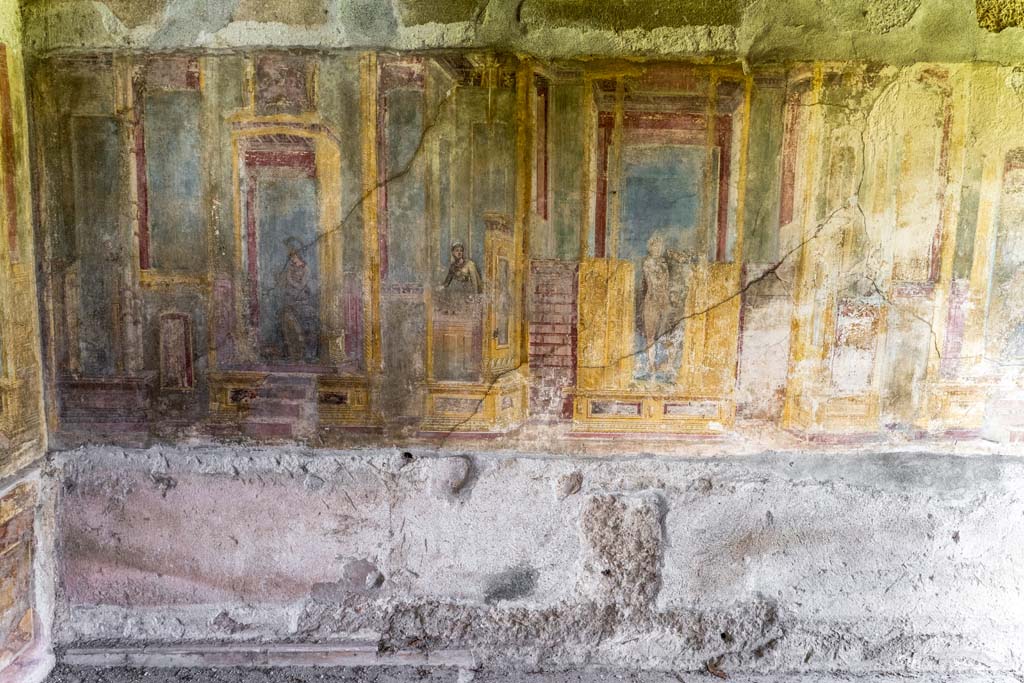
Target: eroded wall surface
<point>895,31</point>
<point>809,563</point>
<point>22,426</point>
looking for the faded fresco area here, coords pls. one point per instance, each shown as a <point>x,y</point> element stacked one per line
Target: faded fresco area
<point>23,636</point>
<point>330,245</point>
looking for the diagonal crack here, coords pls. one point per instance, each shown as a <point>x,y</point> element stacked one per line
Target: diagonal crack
<point>431,123</point>
<point>897,306</point>
<point>769,272</point>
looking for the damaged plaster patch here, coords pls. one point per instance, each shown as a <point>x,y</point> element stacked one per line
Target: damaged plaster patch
<point>187,21</point>
<point>357,577</point>
<point>1015,81</point>
<point>885,15</point>
<point>224,622</point>
<point>368,20</point>
<point>135,12</point>
<point>621,15</point>
<point>301,12</point>
<point>414,12</point>
<point>77,25</point>
<point>568,484</point>
<point>622,536</point>
<point>762,563</point>
<point>453,475</point>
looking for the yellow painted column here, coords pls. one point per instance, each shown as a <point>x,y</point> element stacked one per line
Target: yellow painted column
<point>22,425</point>
<point>524,183</point>
<point>741,185</point>
<point>802,357</point>
<point>614,221</point>
<point>371,250</point>
<point>586,177</point>
<point>961,104</point>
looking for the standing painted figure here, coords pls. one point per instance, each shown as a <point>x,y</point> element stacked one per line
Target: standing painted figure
<point>656,307</point>
<point>297,307</point>
<point>462,272</point>
<point>663,294</point>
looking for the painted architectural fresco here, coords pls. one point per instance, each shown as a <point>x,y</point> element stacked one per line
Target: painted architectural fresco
<point>286,245</point>
<point>18,619</point>
<point>22,437</point>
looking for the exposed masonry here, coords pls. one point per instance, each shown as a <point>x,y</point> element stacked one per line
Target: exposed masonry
<point>886,30</point>
<point>552,317</point>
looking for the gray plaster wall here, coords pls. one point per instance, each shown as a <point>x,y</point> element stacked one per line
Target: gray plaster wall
<point>778,563</point>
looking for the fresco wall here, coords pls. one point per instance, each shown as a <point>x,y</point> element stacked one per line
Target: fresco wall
<point>24,634</point>
<point>322,245</point>
<point>22,436</point>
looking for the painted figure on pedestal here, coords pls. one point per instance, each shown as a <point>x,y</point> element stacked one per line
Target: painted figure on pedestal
<point>663,298</point>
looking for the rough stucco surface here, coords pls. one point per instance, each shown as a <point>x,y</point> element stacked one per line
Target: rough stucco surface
<point>995,15</point>
<point>759,564</point>
<point>895,31</point>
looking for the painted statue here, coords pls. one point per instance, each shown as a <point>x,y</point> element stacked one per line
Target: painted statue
<point>662,301</point>
<point>297,312</point>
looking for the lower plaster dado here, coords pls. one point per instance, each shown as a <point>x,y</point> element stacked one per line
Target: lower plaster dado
<point>776,562</point>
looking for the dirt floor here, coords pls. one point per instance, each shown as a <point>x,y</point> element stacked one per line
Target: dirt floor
<point>67,674</point>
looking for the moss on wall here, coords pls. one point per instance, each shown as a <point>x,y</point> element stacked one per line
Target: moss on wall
<point>890,31</point>
<point>996,15</point>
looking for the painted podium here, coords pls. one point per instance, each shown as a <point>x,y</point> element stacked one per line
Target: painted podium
<point>677,380</point>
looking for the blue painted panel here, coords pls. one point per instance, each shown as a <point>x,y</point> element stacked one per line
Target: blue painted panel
<point>662,193</point>
<point>174,175</point>
<point>289,275</point>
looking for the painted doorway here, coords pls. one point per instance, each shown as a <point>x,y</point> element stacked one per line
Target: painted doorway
<point>282,236</point>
